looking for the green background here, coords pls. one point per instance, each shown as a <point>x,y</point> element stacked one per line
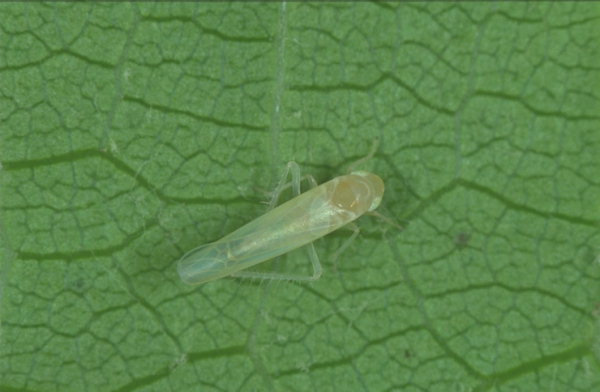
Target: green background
<point>131,133</point>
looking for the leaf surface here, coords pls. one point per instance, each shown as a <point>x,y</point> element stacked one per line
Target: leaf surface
<point>132,133</point>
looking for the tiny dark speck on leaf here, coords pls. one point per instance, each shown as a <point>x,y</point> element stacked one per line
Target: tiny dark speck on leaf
<point>462,240</point>
<point>78,285</point>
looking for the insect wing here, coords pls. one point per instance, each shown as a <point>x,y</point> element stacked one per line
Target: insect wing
<point>287,227</point>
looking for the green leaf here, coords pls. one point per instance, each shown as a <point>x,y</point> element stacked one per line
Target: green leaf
<point>131,133</point>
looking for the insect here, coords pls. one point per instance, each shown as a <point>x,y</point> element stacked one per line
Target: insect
<point>297,222</point>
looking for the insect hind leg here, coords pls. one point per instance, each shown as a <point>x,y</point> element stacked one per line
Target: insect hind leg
<point>314,258</point>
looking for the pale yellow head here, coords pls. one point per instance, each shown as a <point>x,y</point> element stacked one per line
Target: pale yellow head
<point>358,192</point>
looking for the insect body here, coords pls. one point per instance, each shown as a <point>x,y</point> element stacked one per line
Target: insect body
<point>295,223</point>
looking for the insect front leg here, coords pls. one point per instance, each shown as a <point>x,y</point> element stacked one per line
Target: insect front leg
<point>374,148</point>
<point>353,165</point>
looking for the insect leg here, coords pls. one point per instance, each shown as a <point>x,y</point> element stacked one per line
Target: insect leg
<point>362,160</point>
<point>314,258</point>
<point>281,185</point>
<point>352,226</point>
<point>312,253</point>
<point>353,165</point>
<point>384,218</point>
<point>306,177</point>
